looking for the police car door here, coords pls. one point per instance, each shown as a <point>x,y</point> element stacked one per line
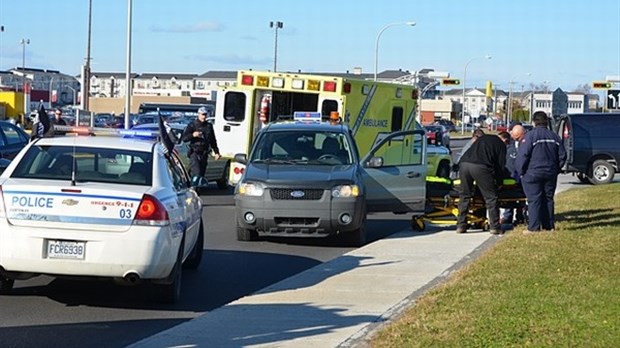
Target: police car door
<point>394,173</point>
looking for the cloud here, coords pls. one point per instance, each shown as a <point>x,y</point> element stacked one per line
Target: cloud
<point>233,59</point>
<point>192,28</point>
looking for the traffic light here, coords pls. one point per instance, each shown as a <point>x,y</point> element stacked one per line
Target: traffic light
<point>450,82</point>
<point>601,84</point>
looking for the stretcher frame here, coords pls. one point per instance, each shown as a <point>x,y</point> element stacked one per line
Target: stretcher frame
<point>442,206</point>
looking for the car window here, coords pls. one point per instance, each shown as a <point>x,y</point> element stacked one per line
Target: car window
<point>12,135</point>
<point>304,146</point>
<point>177,172</point>
<point>119,166</point>
<point>403,150</point>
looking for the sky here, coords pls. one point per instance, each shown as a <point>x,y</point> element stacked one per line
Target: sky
<point>562,44</point>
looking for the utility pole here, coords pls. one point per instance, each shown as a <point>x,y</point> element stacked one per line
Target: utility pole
<point>86,74</point>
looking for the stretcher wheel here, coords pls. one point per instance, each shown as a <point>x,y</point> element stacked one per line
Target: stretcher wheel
<point>417,224</point>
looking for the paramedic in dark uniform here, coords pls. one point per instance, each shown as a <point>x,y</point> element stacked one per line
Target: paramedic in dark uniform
<point>540,158</point>
<point>483,163</point>
<point>201,138</point>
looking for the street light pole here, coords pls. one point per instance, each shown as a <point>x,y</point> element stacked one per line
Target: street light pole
<point>128,68</point>
<point>410,23</point>
<point>276,25</point>
<point>464,79</point>
<point>24,42</point>
<point>510,83</point>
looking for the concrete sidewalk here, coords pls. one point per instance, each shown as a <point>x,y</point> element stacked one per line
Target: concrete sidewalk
<point>335,304</point>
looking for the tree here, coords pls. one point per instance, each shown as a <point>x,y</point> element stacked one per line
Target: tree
<point>586,89</point>
<point>539,87</point>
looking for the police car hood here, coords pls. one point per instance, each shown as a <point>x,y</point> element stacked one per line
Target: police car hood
<point>301,174</point>
<point>85,206</point>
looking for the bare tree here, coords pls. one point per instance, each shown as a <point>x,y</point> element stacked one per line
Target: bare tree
<point>539,87</point>
<point>586,88</point>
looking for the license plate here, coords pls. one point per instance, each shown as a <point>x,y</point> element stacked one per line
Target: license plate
<point>64,249</point>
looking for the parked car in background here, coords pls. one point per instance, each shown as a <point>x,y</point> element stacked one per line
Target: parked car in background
<point>12,140</point>
<point>438,135</point>
<point>450,126</point>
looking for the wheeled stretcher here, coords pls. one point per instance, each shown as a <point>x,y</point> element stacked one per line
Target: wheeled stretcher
<point>442,201</point>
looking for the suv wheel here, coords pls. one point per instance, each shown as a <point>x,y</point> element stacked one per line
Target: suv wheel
<point>246,235</point>
<point>602,172</point>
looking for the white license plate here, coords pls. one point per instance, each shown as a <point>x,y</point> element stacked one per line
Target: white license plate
<point>63,249</point>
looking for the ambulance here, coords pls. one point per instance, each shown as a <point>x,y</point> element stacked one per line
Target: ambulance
<point>370,109</point>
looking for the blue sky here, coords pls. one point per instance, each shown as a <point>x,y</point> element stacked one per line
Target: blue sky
<point>566,43</point>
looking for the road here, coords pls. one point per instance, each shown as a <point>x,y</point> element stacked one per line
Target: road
<point>44,312</point>
<point>47,312</point>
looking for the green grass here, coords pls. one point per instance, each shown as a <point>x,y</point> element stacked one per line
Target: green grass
<point>558,289</point>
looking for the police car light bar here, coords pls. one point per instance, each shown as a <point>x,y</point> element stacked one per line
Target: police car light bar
<point>307,116</point>
<point>125,133</point>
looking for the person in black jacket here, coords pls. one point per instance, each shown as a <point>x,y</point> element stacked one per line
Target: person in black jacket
<point>540,158</point>
<point>483,163</point>
<point>58,121</point>
<point>201,138</point>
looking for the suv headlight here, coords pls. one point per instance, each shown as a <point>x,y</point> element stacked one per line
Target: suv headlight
<point>250,189</point>
<point>345,191</point>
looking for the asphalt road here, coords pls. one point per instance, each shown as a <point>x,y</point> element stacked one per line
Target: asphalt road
<point>48,312</point>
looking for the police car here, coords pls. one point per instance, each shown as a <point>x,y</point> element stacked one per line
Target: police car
<point>306,179</point>
<point>99,207</point>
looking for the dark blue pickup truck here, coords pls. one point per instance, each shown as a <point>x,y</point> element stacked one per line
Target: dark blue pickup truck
<point>592,145</point>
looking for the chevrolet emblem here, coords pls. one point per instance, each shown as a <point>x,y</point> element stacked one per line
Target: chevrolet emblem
<point>70,202</point>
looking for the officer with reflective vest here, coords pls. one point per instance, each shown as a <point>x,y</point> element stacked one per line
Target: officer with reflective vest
<point>201,138</point>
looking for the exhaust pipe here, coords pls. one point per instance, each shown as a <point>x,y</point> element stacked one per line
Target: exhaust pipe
<point>132,278</point>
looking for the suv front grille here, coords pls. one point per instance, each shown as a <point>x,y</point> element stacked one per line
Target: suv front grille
<point>296,194</point>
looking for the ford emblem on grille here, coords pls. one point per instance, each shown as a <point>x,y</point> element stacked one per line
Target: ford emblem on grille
<point>297,194</point>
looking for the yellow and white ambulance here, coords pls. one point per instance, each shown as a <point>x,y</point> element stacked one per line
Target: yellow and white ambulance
<point>370,109</point>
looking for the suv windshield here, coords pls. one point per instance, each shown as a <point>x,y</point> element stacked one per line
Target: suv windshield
<point>89,164</point>
<point>330,148</point>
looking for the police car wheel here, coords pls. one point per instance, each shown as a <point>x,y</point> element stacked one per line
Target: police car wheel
<point>170,292</point>
<point>6,285</point>
<point>195,257</point>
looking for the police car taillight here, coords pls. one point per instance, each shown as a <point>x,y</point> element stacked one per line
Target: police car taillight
<point>151,212</point>
<point>565,132</point>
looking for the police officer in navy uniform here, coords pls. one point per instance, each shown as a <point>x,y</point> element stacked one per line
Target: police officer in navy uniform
<point>201,138</point>
<point>540,158</point>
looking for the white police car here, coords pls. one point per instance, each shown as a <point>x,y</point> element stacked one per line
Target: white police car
<point>99,207</point>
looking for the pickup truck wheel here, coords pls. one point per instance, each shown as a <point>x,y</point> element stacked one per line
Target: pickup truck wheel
<point>602,172</point>
<point>6,285</point>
